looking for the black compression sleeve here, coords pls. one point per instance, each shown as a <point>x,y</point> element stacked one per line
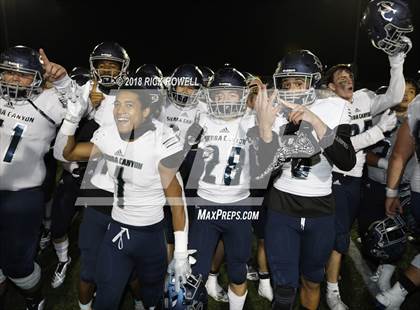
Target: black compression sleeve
<point>338,147</point>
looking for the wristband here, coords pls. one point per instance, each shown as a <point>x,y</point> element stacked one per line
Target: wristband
<point>382,163</point>
<point>68,128</point>
<point>391,193</point>
<point>181,242</point>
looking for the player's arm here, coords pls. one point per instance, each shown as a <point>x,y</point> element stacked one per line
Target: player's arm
<point>367,138</point>
<point>179,266</point>
<point>403,150</point>
<point>173,193</point>
<point>56,74</point>
<point>374,160</point>
<point>337,146</point>
<point>395,92</point>
<point>373,135</point>
<point>80,151</point>
<point>66,149</point>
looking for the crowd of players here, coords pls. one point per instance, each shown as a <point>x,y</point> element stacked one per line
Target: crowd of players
<point>170,174</point>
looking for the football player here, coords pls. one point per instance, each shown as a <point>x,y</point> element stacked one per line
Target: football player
<point>143,181</point>
<point>221,173</point>
<point>108,63</point>
<point>183,106</point>
<point>29,117</point>
<point>315,134</point>
<point>81,76</point>
<point>387,28</point>
<point>407,144</point>
<point>364,104</point>
<point>94,93</point>
<point>179,112</point>
<point>262,274</point>
<point>374,188</point>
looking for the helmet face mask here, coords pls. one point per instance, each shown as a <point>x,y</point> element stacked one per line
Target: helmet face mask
<point>386,239</point>
<point>227,94</point>
<point>387,23</point>
<point>185,86</point>
<point>24,63</point>
<point>185,99</point>
<point>392,43</point>
<point>227,102</point>
<point>109,55</point>
<point>303,96</point>
<point>108,77</point>
<point>302,70</point>
<point>192,295</point>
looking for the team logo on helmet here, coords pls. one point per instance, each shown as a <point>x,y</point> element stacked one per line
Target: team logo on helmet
<point>384,8</point>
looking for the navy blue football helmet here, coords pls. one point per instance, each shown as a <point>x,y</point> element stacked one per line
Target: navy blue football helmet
<point>149,69</point>
<point>149,88</point>
<point>301,65</point>
<point>191,296</point>
<point>80,75</point>
<point>186,75</point>
<point>207,74</point>
<point>386,240</point>
<point>109,51</point>
<point>227,93</point>
<point>20,60</point>
<point>387,22</point>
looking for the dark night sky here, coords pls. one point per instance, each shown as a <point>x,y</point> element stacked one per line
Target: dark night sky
<point>252,37</point>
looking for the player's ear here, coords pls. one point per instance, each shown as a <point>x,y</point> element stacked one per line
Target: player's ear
<point>146,112</point>
<point>332,86</point>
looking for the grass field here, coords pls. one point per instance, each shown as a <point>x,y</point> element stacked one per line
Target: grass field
<point>353,290</point>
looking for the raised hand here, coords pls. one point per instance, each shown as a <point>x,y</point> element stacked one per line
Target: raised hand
<point>52,71</point>
<point>266,112</point>
<point>96,96</point>
<point>298,112</point>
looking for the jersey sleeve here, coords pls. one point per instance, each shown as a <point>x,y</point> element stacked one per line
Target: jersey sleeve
<point>395,92</point>
<point>99,138</point>
<point>51,105</point>
<point>170,143</point>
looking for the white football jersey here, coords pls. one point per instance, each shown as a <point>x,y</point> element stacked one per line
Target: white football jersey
<point>413,122</point>
<point>25,137</point>
<point>225,176</point>
<point>364,106</point>
<point>384,150</point>
<point>180,119</point>
<point>316,171</point>
<point>103,114</point>
<point>138,194</point>
<point>101,177</point>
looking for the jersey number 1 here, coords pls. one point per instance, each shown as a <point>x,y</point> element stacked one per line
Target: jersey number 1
<point>120,186</point>
<point>18,131</point>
